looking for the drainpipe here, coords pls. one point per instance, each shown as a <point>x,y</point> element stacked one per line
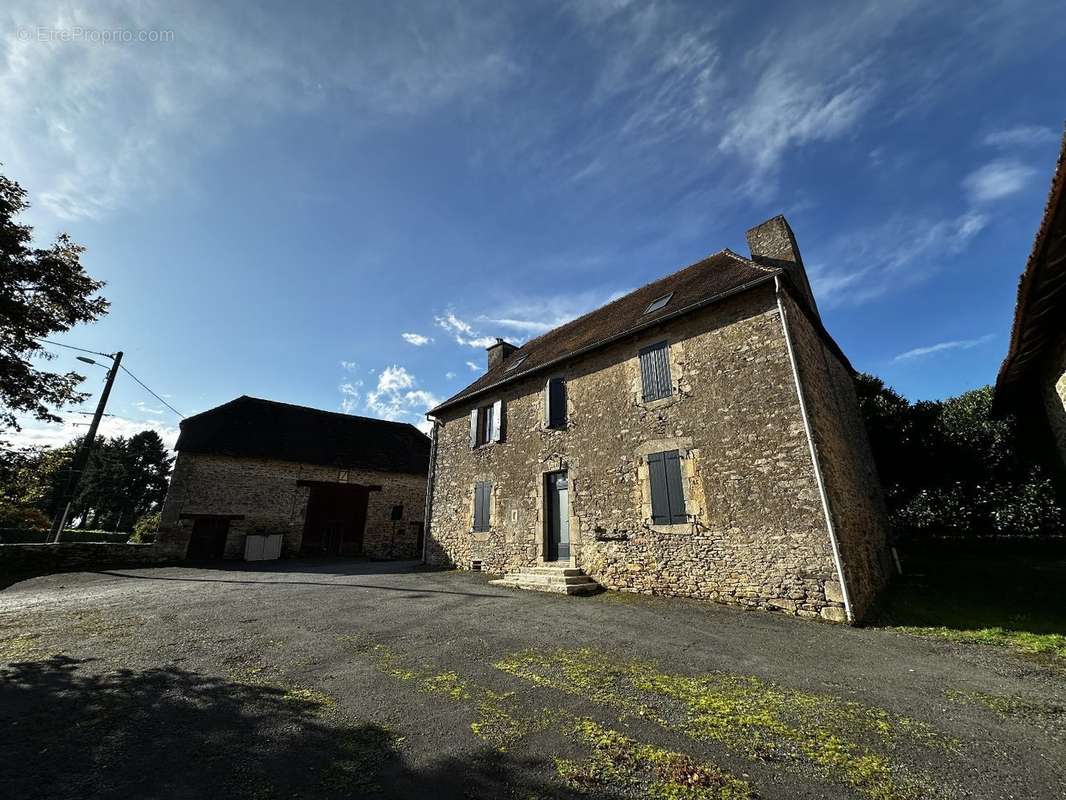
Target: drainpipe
<point>838,562</point>
<point>429,486</point>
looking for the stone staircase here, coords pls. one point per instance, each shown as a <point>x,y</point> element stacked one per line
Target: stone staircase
<point>550,578</point>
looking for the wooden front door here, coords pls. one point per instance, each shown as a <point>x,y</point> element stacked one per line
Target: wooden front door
<point>207,542</point>
<point>556,516</point>
<point>336,517</point>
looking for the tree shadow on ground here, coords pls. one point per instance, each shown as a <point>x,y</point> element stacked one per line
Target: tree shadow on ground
<point>170,733</point>
<point>979,591</point>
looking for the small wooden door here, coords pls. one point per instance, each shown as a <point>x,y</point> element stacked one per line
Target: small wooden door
<point>208,539</point>
<point>557,516</point>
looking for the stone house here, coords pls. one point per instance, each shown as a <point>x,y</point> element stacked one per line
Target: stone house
<point>698,437</point>
<point>330,483</point>
<point>1032,379</point>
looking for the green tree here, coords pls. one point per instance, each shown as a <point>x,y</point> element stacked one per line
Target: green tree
<point>43,291</point>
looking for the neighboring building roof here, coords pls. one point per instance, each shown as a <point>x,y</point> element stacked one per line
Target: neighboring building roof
<point>714,278</point>
<point>255,428</point>
<point>1041,308</point>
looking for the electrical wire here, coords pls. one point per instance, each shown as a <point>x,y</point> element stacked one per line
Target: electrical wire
<point>157,397</point>
<point>82,349</point>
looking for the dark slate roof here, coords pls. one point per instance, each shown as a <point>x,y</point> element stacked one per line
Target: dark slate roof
<point>700,284</point>
<point>1041,303</point>
<point>256,428</point>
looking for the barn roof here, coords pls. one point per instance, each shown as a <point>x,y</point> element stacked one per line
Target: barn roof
<point>255,428</point>
<point>1041,304</point>
<point>709,280</point>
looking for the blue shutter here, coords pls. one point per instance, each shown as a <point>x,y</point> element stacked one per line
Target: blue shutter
<point>660,495</point>
<point>655,372</point>
<point>674,488</point>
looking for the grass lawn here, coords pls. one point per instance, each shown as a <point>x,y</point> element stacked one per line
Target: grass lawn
<point>1013,600</point>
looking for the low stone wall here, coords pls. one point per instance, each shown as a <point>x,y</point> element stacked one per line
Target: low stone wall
<point>42,559</point>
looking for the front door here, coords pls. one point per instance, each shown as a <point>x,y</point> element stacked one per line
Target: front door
<point>557,516</point>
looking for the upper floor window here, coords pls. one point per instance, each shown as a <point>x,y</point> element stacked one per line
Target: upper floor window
<point>486,424</point>
<point>555,403</point>
<point>667,494</point>
<point>655,372</point>
<point>482,496</point>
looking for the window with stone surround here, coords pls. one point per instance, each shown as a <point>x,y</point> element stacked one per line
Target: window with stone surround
<point>482,497</point>
<point>486,424</point>
<point>655,372</point>
<point>667,492</point>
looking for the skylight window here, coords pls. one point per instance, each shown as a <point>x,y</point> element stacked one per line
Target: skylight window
<point>658,303</point>
<point>515,365</point>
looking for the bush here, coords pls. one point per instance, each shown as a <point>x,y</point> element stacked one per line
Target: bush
<point>40,535</point>
<point>954,468</point>
<point>145,529</point>
<point>12,516</point>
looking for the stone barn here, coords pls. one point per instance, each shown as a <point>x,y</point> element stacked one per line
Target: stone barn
<point>329,483</point>
<point>698,437</point>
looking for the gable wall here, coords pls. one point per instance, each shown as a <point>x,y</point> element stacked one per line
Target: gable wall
<point>853,488</point>
<point>759,536</point>
<point>265,491</point>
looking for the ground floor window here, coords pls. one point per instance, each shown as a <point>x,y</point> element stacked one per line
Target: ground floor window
<point>667,494</point>
<point>482,493</point>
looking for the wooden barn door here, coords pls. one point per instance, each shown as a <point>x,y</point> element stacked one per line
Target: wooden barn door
<point>336,517</point>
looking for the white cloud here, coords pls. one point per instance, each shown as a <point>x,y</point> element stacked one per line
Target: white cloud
<point>449,375</point>
<point>349,395</point>
<point>474,367</point>
<point>103,125</point>
<point>74,425</point>
<point>416,339</point>
<point>463,331</point>
<point>899,253</point>
<point>1021,136</point>
<point>940,347</point>
<point>397,396</point>
<point>997,179</point>
<point>146,409</point>
<point>349,366</point>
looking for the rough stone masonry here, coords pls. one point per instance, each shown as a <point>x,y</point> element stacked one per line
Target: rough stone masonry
<point>781,505</point>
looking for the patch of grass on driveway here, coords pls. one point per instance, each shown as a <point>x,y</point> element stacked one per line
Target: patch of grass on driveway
<point>1012,601</point>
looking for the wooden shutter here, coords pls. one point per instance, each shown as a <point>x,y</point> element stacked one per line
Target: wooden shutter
<point>655,372</point>
<point>556,403</point>
<point>497,422</point>
<point>674,488</point>
<point>481,506</point>
<point>473,428</point>
<point>660,494</point>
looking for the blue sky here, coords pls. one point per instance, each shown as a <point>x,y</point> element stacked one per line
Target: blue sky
<point>335,204</point>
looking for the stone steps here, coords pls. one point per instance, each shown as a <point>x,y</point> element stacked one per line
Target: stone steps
<point>550,578</point>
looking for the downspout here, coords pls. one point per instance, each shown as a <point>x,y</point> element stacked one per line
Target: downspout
<point>429,486</point>
<point>838,562</point>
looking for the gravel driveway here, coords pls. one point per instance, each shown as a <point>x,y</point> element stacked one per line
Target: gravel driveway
<point>351,679</point>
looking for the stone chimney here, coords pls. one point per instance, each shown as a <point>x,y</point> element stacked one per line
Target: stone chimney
<point>499,351</point>
<point>774,245</point>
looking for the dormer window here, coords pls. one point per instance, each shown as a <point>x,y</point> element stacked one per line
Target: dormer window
<point>657,303</point>
<point>516,364</point>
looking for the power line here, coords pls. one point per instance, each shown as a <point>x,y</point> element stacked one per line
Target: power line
<point>82,349</point>
<point>157,397</point>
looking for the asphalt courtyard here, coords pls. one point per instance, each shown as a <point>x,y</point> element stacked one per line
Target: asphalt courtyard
<point>353,679</point>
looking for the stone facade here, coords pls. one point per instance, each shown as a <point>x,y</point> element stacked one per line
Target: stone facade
<point>268,497</point>
<point>757,533</point>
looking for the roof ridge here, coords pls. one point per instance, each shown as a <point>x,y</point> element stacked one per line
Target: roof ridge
<point>313,409</point>
<point>598,309</point>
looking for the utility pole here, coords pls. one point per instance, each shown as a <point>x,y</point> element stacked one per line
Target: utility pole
<point>81,458</point>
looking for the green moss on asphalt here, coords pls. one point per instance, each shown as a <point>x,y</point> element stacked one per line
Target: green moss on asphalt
<point>1021,641</point>
<point>618,763</point>
<point>747,715</point>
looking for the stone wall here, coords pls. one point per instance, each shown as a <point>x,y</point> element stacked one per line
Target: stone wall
<point>757,534</point>
<point>40,559</point>
<point>1053,392</point>
<point>265,493</point>
<point>853,488</point>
